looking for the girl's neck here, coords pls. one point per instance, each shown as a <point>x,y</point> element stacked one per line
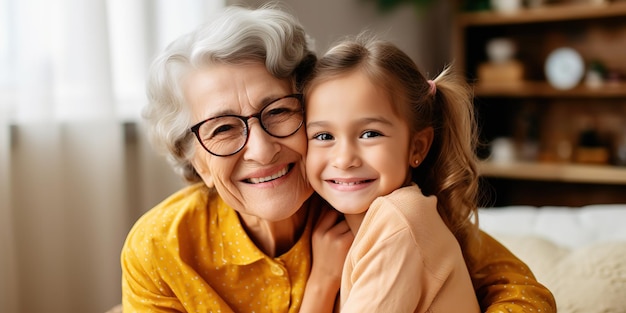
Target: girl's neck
<point>354,221</point>
<point>275,238</point>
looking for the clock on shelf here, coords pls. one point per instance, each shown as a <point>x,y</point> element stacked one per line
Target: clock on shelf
<point>564,68</point>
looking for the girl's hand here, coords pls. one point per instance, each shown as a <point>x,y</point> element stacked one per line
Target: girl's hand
<point>331,241</point>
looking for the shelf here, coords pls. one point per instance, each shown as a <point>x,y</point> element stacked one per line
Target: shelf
<point>533,89</point>
<point>548,13</point>
<point>572,173</point>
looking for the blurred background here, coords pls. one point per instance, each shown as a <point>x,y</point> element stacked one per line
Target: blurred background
<point>76,170</point>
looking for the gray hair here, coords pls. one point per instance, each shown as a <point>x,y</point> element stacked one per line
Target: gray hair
<point>236,35</point>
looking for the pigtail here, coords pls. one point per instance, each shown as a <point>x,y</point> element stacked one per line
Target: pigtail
<point>451,165</point>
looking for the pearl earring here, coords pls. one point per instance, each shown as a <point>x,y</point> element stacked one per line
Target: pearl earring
<point>417,162</point>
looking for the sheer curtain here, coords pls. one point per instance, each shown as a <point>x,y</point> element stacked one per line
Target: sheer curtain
<point>75,170</point>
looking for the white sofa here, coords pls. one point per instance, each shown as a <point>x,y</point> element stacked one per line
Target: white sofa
<point>578,253</point>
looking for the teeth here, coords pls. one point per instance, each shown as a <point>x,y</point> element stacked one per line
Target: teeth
<point>268,178</point>
<point>346,183</point>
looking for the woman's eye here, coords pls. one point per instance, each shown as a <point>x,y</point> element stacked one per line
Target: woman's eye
<point>222,130</point>
<point>323,136</point>
<point>277,112</point>
<point>370,134</point>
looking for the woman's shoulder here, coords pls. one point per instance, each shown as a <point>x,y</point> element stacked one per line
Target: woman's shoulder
<point>182,207</point>
<point>169,232</point>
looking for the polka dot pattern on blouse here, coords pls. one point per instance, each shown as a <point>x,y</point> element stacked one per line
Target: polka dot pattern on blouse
<point>505,284</point>
<point>191,254</point>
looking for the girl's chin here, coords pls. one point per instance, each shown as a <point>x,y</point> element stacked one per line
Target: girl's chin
<point>350,209</point>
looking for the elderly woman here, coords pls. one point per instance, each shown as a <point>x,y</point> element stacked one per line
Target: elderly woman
<point>248,235</point>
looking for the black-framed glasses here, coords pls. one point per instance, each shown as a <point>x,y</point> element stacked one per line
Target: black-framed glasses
<point>226,135</point>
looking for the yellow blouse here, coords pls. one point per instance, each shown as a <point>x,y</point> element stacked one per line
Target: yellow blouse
<point>190,253</point>
<point>503,283</point>
<point>187,256</point>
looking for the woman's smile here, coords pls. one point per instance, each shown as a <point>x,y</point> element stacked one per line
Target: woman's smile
<point>280,173</point>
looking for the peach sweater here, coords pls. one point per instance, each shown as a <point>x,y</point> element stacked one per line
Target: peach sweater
<point>405,259</point>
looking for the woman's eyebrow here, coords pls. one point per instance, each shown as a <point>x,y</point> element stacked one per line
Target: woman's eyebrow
<point>257,106</point>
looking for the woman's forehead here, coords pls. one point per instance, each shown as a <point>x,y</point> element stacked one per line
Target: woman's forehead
<point>232,89</point>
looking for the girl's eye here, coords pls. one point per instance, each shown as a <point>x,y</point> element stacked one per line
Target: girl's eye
<point>370,134</point>
<point>323,136</point>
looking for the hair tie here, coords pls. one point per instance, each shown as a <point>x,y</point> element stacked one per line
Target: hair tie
<point>433,87</point>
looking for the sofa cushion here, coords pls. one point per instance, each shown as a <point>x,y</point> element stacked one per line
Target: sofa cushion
<point>590,278</point>
<point>565,226</point>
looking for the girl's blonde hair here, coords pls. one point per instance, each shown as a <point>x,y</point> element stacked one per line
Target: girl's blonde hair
<point>450,169</point>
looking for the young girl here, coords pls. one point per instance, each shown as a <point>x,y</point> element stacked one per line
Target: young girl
<point>393,151</point>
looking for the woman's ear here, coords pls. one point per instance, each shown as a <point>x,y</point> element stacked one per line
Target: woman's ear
<point>208,180</point>
<point>202,168</point>
<point>420,145</point>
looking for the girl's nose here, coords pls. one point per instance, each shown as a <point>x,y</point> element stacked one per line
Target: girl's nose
<point>345,155</point>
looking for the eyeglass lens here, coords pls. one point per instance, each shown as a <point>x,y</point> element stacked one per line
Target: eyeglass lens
<point>226,135</point>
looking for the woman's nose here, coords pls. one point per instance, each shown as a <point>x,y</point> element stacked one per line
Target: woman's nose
<point>345,155</point>
<point>261,146</point>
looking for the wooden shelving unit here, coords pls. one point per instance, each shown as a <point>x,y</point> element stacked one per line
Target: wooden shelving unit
<point>597,32</point>
<point>554,13</point>
<point>570,173</point>
<point>534,89</point>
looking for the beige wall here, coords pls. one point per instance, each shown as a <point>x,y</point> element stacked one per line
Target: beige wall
<point>424,37</point>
